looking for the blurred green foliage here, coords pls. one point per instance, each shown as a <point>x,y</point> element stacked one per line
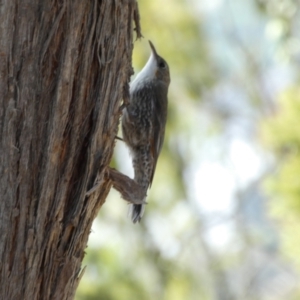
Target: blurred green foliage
<point>281,134</point>
<point>167,256</point>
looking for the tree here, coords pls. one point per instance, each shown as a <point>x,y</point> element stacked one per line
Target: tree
<point>65,67</point>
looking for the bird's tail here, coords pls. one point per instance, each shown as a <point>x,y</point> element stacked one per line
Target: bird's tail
<point>136,212</point>
<point>142,164</point>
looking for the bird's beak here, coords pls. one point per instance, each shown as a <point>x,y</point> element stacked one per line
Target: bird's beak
<point>153,50</point>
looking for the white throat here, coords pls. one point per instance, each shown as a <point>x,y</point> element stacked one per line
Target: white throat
<point>148,72</point>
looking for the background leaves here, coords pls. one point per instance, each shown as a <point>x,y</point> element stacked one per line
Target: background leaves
<point>223,210</point>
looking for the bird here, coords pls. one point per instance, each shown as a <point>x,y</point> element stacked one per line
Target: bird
<point>144,121</point>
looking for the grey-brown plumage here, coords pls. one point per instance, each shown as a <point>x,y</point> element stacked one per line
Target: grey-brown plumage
<point>144,121</point>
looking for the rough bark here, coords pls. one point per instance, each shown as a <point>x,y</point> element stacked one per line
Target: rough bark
<point>64,70</point>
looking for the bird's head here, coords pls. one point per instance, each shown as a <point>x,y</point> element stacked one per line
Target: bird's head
<point>161,67</point>
<point>155,68</point>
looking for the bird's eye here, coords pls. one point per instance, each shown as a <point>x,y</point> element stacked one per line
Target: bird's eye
<point>162,65</point>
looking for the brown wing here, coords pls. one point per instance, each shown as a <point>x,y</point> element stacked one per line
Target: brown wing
<point>157,134</point>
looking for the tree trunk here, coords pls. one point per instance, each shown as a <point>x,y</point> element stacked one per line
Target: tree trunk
<point>64,70</point>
